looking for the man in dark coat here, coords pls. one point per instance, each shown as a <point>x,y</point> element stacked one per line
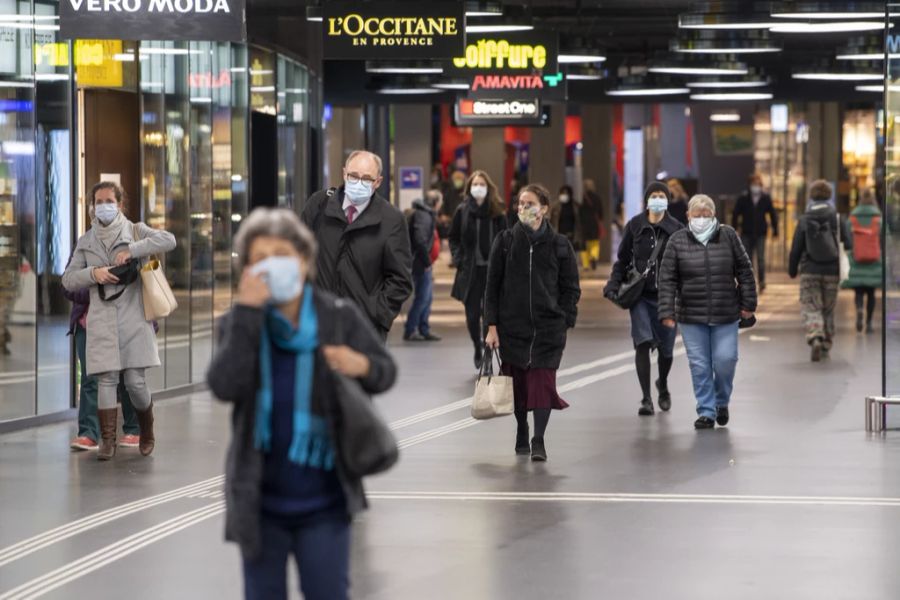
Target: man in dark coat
<point>364,252</point>
<point>749,219</point>
<point>422,232</point>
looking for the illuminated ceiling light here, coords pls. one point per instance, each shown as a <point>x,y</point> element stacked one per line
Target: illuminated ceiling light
<point>732,96</point>
<point>829,27</point>
<point>484,9</point>
<point>724,21</point>
<point>823,76</point>
<point>16,84</point>
<point>877,88</point>
<point>262,89</point>
<point>648,91</point>
<point>260,72</point>
<point>724,46</point>
<point>167,51</point>
<point>409,91</point>
<point>508,28</point>
<point>728,84</point>
<point>238,69</point>
<point>451,86</point>
<point>727,117</point>
<point>201,100</point>
<point>124,57</point>
<point>688,70</point>
<point>406,70</point>
<point>823,10</point>
<point>314,14</point>
<point>866,56</point>
<point>580,58</point>
<point>583,77</point>
<point>51,77</point>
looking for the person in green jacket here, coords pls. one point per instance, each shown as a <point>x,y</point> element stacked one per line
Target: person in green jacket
<point>865,261</point>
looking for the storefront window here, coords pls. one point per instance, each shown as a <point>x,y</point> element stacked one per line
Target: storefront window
<point>892,207</point>
<point>293,141</point>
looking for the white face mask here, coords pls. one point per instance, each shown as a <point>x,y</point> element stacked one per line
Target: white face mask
<point>756,190</point>
<point>564,198</point>
<point>658,204</point>
<point>106,212</point>
<point>479,192</point>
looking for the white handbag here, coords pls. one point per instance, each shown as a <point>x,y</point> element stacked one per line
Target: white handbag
<point>159,301</point>
<point>844,258</point>
<point>493,393</point>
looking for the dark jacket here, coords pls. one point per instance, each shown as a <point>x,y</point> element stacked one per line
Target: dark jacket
<point>233,377</point>
<point>422,221</point>
<point>368,261</point>
<point>750,219</point>
<point>464,242</point>
<point>587,217</point>
<point>532,295</point>
<point>821,212</point>
<point>678,210</point>
<point>706,285</point>
<point>637,245</point>
<point>566,220</point>
<point>81,301</point>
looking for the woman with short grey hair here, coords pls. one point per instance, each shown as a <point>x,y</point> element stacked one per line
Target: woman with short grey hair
<point>706,284</point>
<point>287,490</point>
<point>107,261</point>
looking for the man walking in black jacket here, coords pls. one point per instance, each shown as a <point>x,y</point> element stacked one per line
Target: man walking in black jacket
<point>364,252</point>
<point>749,220</point>
<point>422,233</point>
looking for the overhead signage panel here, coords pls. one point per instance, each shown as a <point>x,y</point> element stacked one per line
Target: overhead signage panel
<point>393,30</point>
<point>500,113</point>
<point>521,52</point>
<point>184,20</point>
<point>549,86</point>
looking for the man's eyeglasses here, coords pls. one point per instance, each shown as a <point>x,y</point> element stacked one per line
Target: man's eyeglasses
<point>356,178</point>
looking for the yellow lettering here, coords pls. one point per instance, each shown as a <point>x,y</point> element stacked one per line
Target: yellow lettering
<point>371,26</point>
<point>502,53</point>
<point>383,27</point>
<point>459,63</point>
<point>450,28</point>
<point>435,26</point>
<point>420,28</point>
<point>472,53</point>
<point>527,52</point>
<point>540,57</point>
<point>359,25</point>
<point>334,26</point>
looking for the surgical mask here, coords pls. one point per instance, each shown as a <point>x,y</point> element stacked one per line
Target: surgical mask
<point>755,190</point>
<point>459,183</point>
<point>282,275</point>
<point>479,192</point>
<point>106,213</point>
<point>359,192</point>
<point>703,228</point>
<point>530,215</point>
<point>564,198</point>
<point>658,204</point>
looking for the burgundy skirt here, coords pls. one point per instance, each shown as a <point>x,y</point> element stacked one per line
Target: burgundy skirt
<point>534,388</point>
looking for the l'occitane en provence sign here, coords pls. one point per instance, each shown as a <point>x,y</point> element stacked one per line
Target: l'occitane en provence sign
<point>389,30</point>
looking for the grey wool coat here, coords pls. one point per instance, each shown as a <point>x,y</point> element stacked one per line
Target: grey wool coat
<point>118,335</point>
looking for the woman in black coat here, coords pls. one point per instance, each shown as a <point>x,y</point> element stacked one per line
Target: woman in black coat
<point>287,490</point>
<point>643,234</point>
<point>531,301</point>
<point>476,224</point>
<point>706,284</point>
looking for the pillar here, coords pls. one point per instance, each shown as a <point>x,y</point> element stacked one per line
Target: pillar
<point>489,155</point>
<point>412,143</point>
<point>547,163</point>
<point>597,161</point>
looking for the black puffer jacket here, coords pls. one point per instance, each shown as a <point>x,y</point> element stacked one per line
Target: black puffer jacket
<point>422,222</point>
<point>368,261</point>
<point>706,285</point>
<point>640,238</point>
<point>532,295</point>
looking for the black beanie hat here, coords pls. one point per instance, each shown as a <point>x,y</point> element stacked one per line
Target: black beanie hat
<point>657,186</point>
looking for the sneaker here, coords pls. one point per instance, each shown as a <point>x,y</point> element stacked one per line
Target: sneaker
<point>722,415</point>
<point>83,443</point>
<point>704,423</point>
<point>538,451</point>
<point>816,353</point>
<point>665,398</point>
<point>431,337</point>
<point>646,409</point>
<point>413,337</point>
<point>129,440</point>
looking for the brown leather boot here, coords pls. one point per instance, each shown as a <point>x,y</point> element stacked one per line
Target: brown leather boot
<point>108,417</point>
<point>145,421</point>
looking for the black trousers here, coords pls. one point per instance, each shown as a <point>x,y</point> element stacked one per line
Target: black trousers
<point>867,294</point>
<point>475,306</point>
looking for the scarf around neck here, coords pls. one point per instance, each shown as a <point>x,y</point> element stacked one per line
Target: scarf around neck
<point>108,235</point>
<point>310,441</point>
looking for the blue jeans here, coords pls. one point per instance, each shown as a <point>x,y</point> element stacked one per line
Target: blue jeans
<point>320,544</point>
<point>420,311</point>
<point>712,352</point>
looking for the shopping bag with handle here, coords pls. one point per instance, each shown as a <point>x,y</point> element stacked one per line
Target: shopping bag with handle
<point>493,393</point>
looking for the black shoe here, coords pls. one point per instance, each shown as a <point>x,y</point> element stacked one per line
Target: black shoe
<point>665,398</point>
<point>431,337</point>
<point>859,321</point>
<point>869,328</point>
<point>479,357</point>
<point>826,352</point>
<point>522,445</point>
<point>646,409</point>
<point>704,423</point>
<point>413,337</point>
<point>538,452</point>
<point>816,354</point>
<point>722,415</point>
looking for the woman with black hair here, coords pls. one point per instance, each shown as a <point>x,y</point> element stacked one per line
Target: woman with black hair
<point>565,217</point>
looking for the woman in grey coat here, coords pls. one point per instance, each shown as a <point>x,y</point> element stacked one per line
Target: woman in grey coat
<point>119,339</point>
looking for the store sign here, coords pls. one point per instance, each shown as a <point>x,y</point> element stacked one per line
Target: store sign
<point>519,52</point>
<point>393,30</point>
<point>502,86</point>
<point>210,80</point>
<point>95,64</point>
<point>499,113</point>
<point>194,20</point>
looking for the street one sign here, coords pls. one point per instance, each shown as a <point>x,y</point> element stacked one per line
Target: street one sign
<point>182,20</point>
<point>499,113</point>
<point>393,30</point>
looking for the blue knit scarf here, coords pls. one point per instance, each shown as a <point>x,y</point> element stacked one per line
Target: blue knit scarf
<point>310,442</point>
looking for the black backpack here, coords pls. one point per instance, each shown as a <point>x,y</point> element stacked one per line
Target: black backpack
<point>822,240</point>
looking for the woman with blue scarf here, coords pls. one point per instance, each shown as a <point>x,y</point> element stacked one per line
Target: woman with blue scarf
<point>286,489</point>
<point>709,271</point>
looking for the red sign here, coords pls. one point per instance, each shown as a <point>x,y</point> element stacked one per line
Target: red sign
<point>507,82</point>
<point>210,81</point>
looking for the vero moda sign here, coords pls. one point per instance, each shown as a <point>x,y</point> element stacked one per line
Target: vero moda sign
<point>176,20</point>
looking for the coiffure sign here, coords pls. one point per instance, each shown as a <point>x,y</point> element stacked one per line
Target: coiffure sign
<point>522,52</point>
<point>393,30</point>
<point>190,20</point>
<point>499,113</point>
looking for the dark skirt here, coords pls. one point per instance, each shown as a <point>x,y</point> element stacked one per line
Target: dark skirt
<point>534,388</point>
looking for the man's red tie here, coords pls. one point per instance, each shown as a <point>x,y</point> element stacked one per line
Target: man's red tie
<point>351,213</point>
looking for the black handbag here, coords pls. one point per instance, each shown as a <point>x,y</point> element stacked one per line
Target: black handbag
<point>365,443</point>
<point>632,287</point>
<point>127,274</point>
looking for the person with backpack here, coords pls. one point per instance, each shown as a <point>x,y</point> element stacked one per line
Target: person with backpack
<point>866,263</point>
<point>477,223</point>
<point>530,303</point>
<point>425,244</point>
<point>815,255</point>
